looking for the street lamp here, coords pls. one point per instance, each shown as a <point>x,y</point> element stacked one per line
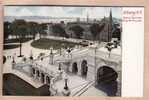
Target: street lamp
<point>66,80</point>
<point>95,63</point>
<point>51,56</point>
<point>20,48</point>
<point>66,91</point>
<point>31,55</point>
<point>59,67</point>
<point>61,48</point>
<point>69,51</point>
<point>95,47</point>
<point>13,62</point>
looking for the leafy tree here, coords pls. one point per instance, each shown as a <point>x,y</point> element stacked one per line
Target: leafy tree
<point>42,29</point>
<point>19,28</point>
<point>7,30</point>
<point>78,30</point>
<point>96,29</point>
<point>32,28</point>
<point>58,30</point>
<point>117,33</point>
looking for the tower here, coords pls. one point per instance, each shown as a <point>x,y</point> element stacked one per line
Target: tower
<point>87,18</point>
<point>110,26</point>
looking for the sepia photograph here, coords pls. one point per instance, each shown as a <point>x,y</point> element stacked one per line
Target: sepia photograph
<point>62,51</point>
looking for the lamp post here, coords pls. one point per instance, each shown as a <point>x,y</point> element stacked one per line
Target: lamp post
<point>95,63</point>
<point>66,80</point>
<point>61,48</point>
<point>69,51</point>
<point>59,67</point>
<point>13,62</point>
<point>51,56</point>
<point>31,55</point>
<point>20,47</point>
<point>66,91</point>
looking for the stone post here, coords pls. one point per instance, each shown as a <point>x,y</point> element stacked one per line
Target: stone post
<point>13,63</point>
<point>34,75</point>
<point>31,57</point>
<point>45,80</point>
<point>51,56</point>
<point>66,91</point>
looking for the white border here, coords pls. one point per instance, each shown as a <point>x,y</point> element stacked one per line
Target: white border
<point>132,55</point>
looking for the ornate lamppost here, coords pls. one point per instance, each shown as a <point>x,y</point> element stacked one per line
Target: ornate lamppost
<point>20,47</point>
<point>69,52</point>
<point>66,90</point>
<point>31,56</point>
<point>51,56</point>
<point>95,63</point>
<point>62,47</point>
<point>59,67</point>
<point>94,48</point>
<point>13,62</point>
<point>60,71</point>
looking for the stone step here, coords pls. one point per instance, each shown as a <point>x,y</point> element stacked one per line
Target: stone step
<point>85,88</point>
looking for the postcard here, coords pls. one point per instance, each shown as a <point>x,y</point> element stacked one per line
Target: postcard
<point>73,50</point>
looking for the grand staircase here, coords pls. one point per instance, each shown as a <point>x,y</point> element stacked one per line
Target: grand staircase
<point>79,90</point>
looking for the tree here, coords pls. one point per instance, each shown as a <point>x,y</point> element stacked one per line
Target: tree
<point>58,30</point>
<point>42,29</point>
<point>78,31</point>
<point>7,30</point>
<point>96,29</point>
<point>32,28</point>
<point>117,33</point>
<point>19,28</point>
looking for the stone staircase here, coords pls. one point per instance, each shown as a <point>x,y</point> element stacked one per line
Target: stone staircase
<point>81,89</point>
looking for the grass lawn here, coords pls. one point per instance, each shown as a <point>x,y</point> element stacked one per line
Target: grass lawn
<point>45,43</point>
<point>10,46</point>
<point>16,40</point>
<point>14,43</point>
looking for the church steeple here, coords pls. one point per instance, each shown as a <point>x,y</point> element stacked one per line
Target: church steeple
<point>110,26</point>
<point>87,17</point>
<point>110,17</point>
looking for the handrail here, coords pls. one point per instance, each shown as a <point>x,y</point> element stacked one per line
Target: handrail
<point>86,89</point>
<point>81,88</point>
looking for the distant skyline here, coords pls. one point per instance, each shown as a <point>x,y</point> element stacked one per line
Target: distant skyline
<point>62,11</point>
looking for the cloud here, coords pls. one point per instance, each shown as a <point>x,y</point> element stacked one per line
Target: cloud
<point>16,11</point>
<point>58,11</point>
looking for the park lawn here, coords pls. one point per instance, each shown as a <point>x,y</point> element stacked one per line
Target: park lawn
<point>15,40</point>
<point>14,43</point>
<point>10,46</point>
<point>45,43</point>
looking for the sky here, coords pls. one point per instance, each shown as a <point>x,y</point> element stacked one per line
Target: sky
<point>61,11</point>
